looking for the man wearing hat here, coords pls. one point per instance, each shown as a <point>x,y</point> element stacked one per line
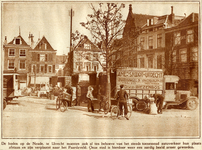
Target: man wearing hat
<point>122,97</point>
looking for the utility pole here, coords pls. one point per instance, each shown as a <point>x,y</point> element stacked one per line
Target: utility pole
<point>71,15</point>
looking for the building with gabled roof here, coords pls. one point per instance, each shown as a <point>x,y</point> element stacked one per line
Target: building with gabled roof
<point>43,60</point>
<point>16,58</point>
<point>148,31</point>
<point>84,61</point>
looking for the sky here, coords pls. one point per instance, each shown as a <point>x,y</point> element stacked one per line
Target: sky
<point>52,20</point>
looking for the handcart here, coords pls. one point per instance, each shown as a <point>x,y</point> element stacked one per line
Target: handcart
<point>63,101</point>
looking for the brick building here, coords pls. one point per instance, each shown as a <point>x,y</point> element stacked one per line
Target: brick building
<point>16,60</point>
<point>182,50</point>
<point>42,63</point>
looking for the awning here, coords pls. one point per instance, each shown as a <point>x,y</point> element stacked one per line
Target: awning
<point>40,80</point>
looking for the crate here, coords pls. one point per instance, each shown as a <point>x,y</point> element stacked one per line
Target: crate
<point>66,96</point>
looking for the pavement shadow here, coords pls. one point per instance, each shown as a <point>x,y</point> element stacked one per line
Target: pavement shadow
<point>98,115</point>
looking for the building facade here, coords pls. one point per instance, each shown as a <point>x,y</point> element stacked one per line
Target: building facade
<point>16,60</point>
<point>182,50</point>
<point>149,35</point>
<point>42,63</point>
<point>85,62</point>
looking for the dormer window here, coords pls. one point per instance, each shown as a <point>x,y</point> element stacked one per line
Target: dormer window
<point>17,41</point>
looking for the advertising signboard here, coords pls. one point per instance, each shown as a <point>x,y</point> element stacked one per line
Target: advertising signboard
<point>144,79</point>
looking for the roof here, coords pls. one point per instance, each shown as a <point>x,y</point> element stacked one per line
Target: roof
<point>190,20</point>
<point>23,43</point>
<point>40,45</point>
<point>80,46</point>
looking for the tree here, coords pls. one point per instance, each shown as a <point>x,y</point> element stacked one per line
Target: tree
<point>106,25</point>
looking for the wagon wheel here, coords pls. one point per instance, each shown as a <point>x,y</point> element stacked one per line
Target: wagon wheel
<point>141,105</point>
<point>129,110</point>
<point>4,104</point>
<point>106,108</point>
<point>191,104</point>
<point>114,112</point>
<point>63,105</point>
<point>57,103</point>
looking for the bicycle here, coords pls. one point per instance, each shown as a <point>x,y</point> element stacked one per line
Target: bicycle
<point>61,103</point>
<point>115,111</point>
<point>104,104</point>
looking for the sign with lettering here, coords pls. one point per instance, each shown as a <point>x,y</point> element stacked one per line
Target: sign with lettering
<point>151,79</point>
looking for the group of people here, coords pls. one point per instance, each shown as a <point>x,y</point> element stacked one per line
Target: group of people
<point>121,97</point>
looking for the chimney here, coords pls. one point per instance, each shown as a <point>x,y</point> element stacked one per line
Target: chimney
<point>31,40</point>
<point>172,15</point>
<point>5,42</point>
<point>171,9</point>
<point>130,8</point>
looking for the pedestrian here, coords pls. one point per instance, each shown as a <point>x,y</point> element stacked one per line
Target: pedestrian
<point>69,91</point>
<point>78,95</point>
<point>122,97</point>
<point>159,102</point>
<point>89,95</point>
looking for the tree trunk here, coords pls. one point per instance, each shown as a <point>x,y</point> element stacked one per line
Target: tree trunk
<point>108,87</point>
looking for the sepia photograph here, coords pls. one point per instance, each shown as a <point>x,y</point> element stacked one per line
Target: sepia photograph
<point>100,75</point>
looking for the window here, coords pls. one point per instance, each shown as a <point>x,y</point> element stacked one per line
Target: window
<point>194,54</point>
<point>88,66</point>
<point>42,57</point>
<point>33,68</point>
<point>141,62</point>
<point>159,62</point>
<point>22,64</point>
<point>177,38</point>
<point>95,56</point>
<point>170,86</point>
<point>183,55</point>
<point>22,52</point>
<point>190,36</point>
<point>11,52</point>
<point>159,40</point>
<point>42,69</point>
<point>87,46</point>
<point>174,57</point>
<point>88,56</point>
<point>11,64</point>
<point>17,41</point>
<point>142,42</point>
<point>49,69</point>
<point>150,42</point>
<point>150,62</point>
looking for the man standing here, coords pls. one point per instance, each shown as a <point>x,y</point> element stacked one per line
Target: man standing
<point>159,102</point>
<point>78,95</point>
<point>122,97</point>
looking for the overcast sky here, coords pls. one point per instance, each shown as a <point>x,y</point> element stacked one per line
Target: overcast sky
<point>52,20</point>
